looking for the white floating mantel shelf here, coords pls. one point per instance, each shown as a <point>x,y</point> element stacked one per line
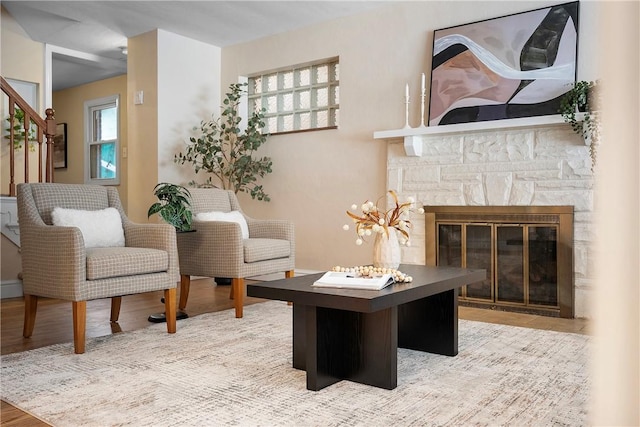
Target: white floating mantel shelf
<point>413,136</point>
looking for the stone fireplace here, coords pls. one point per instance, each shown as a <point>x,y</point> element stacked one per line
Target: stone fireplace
<point>543,164</point>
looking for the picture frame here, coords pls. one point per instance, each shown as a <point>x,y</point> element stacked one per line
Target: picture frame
<point>513,66</point>
<point>60,147</point>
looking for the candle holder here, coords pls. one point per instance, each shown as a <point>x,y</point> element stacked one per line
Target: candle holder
<point>406,113</point>
<point>422,112</point>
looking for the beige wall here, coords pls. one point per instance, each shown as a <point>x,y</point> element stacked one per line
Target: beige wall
<point>180,79</point>
<point>69,107</point>
<point>616,349</point>
<point>20,59</point>
<point>188,92</point>
<point>319,175</point>
<point>142,75</point>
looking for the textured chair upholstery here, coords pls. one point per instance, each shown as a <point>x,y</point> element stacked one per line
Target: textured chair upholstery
<point>56,264</point>
<point>217,249</point>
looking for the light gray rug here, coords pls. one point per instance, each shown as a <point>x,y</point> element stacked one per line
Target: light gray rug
<point>218,370</point>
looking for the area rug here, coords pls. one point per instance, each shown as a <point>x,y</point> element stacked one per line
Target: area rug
<point>218,370</point>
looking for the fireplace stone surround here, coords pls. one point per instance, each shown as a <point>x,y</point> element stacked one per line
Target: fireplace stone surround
<point>541,165</point>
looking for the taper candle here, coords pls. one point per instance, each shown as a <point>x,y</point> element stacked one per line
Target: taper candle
<point>423,84</point>
<point>406,107</point>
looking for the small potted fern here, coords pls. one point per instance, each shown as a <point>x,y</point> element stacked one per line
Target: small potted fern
<point>173,205</point>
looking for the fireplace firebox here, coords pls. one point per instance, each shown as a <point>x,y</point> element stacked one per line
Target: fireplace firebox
<point>526,250</point>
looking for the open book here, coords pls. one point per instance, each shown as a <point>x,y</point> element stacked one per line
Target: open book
<point>334,279</point>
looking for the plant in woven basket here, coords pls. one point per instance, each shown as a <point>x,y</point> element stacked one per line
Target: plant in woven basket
<point>173,205</point>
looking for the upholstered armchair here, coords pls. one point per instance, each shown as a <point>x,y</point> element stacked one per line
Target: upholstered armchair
<point>229,244</point>
<point>78,245</point>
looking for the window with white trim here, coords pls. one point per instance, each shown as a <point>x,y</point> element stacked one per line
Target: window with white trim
<point>102,142</point>
<point>297,98</point>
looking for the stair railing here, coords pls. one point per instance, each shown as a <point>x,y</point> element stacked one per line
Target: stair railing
<point>43,128</point>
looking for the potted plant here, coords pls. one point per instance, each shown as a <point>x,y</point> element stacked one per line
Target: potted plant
<point>173,205</point>
<point>583,98</point>
<point>227,153</point>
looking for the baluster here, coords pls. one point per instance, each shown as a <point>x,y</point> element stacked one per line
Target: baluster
<point>12,155</point>
<point>50,131</point>
<point>40,140</point>
<point>27,126</point>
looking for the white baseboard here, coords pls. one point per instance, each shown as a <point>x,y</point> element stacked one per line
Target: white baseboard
<point>10,289</point>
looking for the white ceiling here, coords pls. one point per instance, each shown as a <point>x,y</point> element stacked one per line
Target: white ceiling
<point>100,28</point>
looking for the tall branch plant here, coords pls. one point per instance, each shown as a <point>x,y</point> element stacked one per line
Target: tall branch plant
<point>228,154</point>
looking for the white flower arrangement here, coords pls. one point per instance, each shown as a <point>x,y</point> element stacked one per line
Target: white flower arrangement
<point>373,220</point>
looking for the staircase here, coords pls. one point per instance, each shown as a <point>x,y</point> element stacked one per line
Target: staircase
<point>26,129</point>
<point>27,126</point>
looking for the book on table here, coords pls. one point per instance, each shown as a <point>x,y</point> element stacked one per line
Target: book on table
<point>336,279</point>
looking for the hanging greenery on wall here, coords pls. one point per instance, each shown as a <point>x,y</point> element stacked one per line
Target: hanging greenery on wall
<point>583,98</point>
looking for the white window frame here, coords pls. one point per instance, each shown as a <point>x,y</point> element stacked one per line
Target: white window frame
<point>89,107</point>
<point>259,99</point>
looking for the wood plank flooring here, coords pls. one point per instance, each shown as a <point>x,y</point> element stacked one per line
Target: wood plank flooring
<point>54,325</point>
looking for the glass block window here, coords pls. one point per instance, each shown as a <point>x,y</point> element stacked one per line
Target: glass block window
<point>298,98</point>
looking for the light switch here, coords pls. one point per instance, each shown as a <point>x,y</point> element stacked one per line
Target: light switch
<point>138,97</point>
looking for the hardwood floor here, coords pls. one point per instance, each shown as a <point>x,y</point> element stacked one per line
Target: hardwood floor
<point>53,324</point>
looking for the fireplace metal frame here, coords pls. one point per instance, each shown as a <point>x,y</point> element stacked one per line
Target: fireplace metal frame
<point>562,216</point>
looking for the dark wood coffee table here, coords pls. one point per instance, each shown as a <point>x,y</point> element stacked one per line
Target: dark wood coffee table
<point>354,334</point>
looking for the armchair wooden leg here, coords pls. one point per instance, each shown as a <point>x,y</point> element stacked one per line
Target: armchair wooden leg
<point>170,309</point>
<point>116,302</point>
<point>79,325</point>
<point>30,308</point>
<point>289,274</point>
<point>185,283</point>
<point>237,285</point>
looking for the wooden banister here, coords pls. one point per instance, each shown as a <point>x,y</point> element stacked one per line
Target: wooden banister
<point>45,128</point>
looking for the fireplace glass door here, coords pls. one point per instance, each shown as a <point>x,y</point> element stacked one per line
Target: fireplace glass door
<point>478,255</point>
<point>520,260</point>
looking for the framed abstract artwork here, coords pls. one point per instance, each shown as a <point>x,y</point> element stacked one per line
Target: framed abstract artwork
<point>514,66</point>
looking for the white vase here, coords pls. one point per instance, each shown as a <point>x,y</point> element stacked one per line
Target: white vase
<point>386,250</point>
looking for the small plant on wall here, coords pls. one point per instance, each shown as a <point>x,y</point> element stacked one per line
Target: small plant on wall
<point>583,98</point>
<point>228,154</point>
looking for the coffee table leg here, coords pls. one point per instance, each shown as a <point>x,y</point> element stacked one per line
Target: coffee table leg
<point>360,347</point>
<point>299,336</point>
<point>430,324</point>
